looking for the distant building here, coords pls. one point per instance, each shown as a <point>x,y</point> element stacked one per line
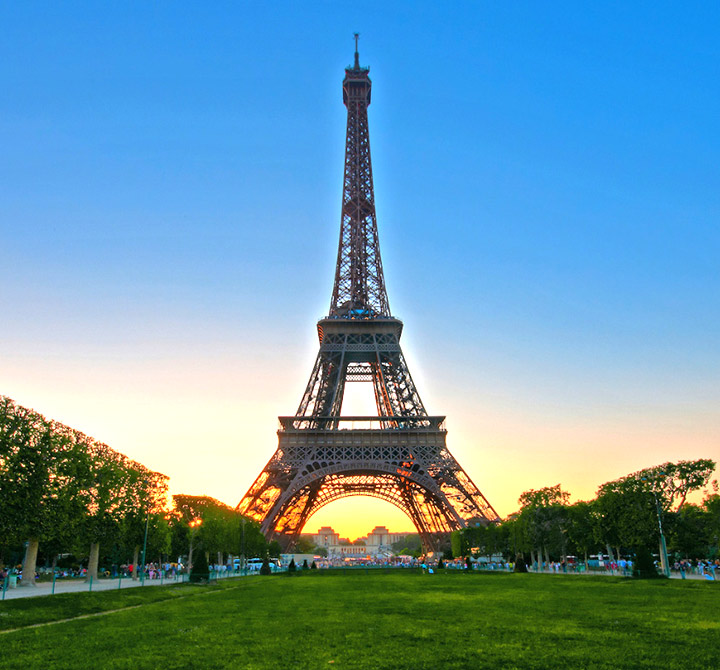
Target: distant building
<point>377,542</point>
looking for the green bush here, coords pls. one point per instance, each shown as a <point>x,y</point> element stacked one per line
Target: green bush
<point>313,566</point>
<point>292,567</point>
<point>265,567</point>
<point>520,565</point>
<point>441,565</point>
<point>305,565</point>
<point>200,573</point>
<point>644,566</point>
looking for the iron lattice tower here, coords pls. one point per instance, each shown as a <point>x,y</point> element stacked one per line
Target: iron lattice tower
<point>400,454</point>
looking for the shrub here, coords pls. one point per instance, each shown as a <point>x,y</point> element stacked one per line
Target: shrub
<point>441,565</point>
<point>305,565</point>
<point>292,567</point>
<point>644,567</point>
<point>520,565</point>
<point>200,573</point>
<point>265,567</point>
<point>313,566</point>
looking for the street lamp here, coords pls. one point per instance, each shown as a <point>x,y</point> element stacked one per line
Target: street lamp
<point>193,525</point>
<point>663,546</point>
<point>664,563</point>
<point>242,564</point>
<point>142,562</point>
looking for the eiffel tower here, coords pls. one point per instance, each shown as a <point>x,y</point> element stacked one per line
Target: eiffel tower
<point>399,455</point>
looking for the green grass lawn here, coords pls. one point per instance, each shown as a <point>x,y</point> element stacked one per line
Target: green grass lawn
<point>377,620</point>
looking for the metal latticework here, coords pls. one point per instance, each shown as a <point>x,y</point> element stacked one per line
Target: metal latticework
<point>399,455</point>
<point>359,288</point>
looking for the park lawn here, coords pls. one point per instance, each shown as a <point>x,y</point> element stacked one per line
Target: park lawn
<point>21,612</point>
<point>395,620</point>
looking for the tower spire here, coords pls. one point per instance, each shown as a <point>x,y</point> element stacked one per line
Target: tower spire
<point>359,288</point>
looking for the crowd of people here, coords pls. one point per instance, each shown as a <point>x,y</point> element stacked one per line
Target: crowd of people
<point>704,568</point>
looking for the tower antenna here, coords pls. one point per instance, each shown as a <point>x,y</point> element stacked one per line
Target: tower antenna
<point>357,55</point>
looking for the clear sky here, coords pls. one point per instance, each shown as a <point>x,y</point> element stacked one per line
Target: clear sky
<point>547,180</point>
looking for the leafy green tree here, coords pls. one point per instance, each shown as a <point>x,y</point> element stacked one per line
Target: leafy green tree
<point>672,482</point>
<point>39,469</point>
<point>223,529</point>
<point>544,497</point>
<point>625,516</point>
<point>581,532</point>
<point>544,519</point>
<point>410,545</point>
<point>304,545</point>
<point>458,543</point>
<point>628,507</point>
<point>711,505</point>
<point>689,532</point>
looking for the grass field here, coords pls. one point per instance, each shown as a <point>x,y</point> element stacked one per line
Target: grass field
<point>375,620</point>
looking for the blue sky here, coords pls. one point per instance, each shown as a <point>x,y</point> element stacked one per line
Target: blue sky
<point>547,184</point>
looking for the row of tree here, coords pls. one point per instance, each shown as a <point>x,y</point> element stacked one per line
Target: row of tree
<point>625,516</point>
<point>203,523</point>
<point>63,493</point>
<point>62,488</point>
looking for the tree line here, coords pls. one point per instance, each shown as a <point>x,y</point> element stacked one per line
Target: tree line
<point>65,493</point>
<point>624,519</point>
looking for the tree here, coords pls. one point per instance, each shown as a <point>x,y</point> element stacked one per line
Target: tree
<point>628,507</point>
<point>223,529</point>
<point>305,565</point>
<point>39,467</point>
<point>304,545</point>
<point>485,540</point>
<point>689,535</point>
<point>672,482</point>
<point>544,519</point>
<point>711,505</point>
<point>459,544</point>
<point>625,516</point>
<point>545,497</point>
<point>410,545</point>
<point>65,489</point>
<point>581,528</point>
<point>274,549</point>
<point>292,567</point>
